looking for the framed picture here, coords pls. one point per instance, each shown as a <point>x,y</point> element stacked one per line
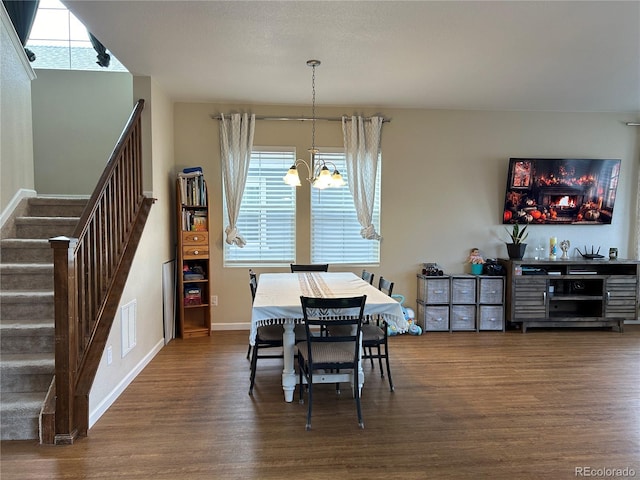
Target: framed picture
<point>521,174</point>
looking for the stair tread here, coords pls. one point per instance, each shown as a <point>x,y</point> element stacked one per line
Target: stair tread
<point>26,323</point>
<point>58,200</point>
<point>25,242</point>
<point>17,294</point>
<point>24,357</point>
<point>47,219</point>
<point>15,328</point>
<point>22,401</point>
<point>32,363</point>
<point>25,266</point>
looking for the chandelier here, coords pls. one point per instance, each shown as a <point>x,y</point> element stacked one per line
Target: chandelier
<point>319,174</point>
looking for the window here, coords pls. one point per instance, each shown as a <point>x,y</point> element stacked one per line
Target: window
<point>335,230</point>
<point>61,42</point>
<point>267,218</point>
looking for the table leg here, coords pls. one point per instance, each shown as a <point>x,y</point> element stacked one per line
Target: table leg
<point>289,380</point>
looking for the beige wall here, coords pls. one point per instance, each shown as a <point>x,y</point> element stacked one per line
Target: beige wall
<point>89,111</point>
<point>144,284</point>
<point>443,183</point>
<point>16,144</point>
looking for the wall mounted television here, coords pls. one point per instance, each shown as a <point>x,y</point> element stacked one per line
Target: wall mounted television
<point>561,191</point>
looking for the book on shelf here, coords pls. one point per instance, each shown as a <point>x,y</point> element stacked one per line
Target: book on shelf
<point>193,188</point>
<point>194,220</point>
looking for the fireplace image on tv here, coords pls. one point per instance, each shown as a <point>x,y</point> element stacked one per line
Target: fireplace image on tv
<point>561,191</point>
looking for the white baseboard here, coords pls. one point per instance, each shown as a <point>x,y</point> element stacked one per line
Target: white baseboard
<point>96,413</point>
<point>231,326</point>
<point>13,204</point>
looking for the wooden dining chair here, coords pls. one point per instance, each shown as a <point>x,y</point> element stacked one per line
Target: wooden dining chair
<point>253,284</point>
<point>267,337</point>
<point>375,336</point>
<point>330,353</point>
<point>367,276</point>
<point>313,267</point>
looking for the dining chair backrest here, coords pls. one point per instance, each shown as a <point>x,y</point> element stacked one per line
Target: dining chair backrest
<point>253,284</point>
<point>313,267</point>
<point>385,286</point>
<point>324,312</point>
<point>367,276</point>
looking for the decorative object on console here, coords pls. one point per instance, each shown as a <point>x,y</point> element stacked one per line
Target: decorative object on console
<point>564,246</point>
<point>613,253</point>
<point>476,261</point>
<point>493,268</point>
<point>516,248</point>
<point>560,191</point>
<point>432,270</point>
<point>592,255</point>
<point>553,248</point>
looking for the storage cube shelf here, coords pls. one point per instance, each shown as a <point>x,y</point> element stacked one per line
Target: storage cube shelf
<point>460,303</point>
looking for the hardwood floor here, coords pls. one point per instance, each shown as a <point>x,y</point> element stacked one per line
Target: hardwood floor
<point>466,406</point>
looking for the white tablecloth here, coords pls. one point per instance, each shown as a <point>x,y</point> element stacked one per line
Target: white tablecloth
<point>278,297</point>
<point>278,301</point>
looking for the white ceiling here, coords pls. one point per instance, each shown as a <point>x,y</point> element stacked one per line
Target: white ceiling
<point>511,55</point>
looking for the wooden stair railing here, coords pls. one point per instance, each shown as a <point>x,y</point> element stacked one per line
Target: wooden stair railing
<point>90,271</point>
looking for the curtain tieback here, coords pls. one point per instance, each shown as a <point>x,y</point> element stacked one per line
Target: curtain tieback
<point>233,237</point>
<point>369,233</point>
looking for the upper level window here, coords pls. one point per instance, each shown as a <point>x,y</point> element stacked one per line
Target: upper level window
<point>335,231</point>
<point>267,218</point>
<point>61,42</point>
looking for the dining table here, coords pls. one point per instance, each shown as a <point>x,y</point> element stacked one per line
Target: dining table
<point>277,301</point>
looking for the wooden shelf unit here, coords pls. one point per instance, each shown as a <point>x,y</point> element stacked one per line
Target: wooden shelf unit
<point>193,292</point>
<point>571,293</point>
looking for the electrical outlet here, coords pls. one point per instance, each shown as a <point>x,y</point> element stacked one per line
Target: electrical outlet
<point>109,355</point>
<point>214,300</point>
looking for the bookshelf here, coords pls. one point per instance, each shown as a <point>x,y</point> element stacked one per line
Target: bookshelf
<point>193,283</point>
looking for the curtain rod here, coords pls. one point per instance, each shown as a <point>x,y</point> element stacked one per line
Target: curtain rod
<point>302,119</point>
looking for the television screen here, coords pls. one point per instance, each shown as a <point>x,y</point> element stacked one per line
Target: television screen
<point>560,191</point>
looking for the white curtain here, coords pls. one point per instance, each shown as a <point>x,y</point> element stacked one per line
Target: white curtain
<point>362,146</point>
<point>236,140</point>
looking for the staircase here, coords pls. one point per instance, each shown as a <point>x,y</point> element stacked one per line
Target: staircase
<point>27,312</point>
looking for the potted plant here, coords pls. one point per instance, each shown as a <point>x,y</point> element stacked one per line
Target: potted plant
<point>516,248</point>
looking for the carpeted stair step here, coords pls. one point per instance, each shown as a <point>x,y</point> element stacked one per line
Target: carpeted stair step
<point>27,333</point>
<point>23,250</point>
<point>26,276</point>
<point>26,372</point>
<point>30,335</point>
<point>19,415</point>
<point>45,227</point>
<point>56,207</point>
<point>23,305</point>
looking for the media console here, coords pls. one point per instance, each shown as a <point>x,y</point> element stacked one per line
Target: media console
<point>571,293</point>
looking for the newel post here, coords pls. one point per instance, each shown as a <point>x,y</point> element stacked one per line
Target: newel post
<point>66,337</point>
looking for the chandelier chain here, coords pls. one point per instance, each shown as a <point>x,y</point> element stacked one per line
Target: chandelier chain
<point>313,108</point>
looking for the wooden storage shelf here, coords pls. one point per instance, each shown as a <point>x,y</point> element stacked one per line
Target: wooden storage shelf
<point>194,282</point>
<point>571,293</point>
